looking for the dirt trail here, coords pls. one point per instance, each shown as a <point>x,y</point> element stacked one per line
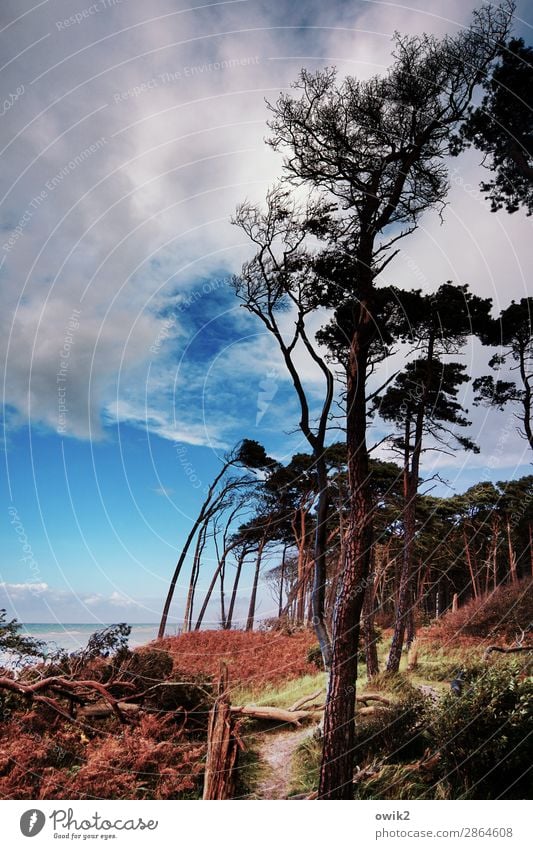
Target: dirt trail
<point>276,752</point>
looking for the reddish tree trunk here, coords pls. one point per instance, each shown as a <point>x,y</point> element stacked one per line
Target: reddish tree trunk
<point>336,773</point>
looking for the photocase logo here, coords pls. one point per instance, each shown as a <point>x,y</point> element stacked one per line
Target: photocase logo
<point>32,822</point>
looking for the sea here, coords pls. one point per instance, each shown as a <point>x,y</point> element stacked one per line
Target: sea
<point>73,636</point>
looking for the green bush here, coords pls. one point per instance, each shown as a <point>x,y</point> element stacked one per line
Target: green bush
<point>485,735</point>
<point>17,645</point>
<point>395,734</point>
<point>397,782</point>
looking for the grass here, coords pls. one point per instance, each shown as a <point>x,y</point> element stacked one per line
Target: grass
<point>282,696</point>
<point>306,767</point>
<point>249,767</point>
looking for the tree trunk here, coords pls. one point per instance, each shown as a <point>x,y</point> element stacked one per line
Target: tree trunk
<point>495,532</point>
<point>240,561</point>
<point>222,596</point>
<point>302,563</point>
<point>371,649</point>
<point>218,571</point>
<point>281,582</point>
<point>411,473</point>
<point>404,593</point>
<point>253,597</point>
<point>336,772</point>
<point>526,395</point>
<point>318,594</point>
<point>195,571</point>
<point>512,556</point>
<point>410,628</point>
<point>469,560</point>
<point>181,560</point>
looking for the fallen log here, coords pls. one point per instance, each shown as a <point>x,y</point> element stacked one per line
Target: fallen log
<point>372,697</point>
<point>102,709</point>
<point>293,717</point>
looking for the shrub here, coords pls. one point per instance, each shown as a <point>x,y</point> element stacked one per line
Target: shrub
<point>147,667</point>
<point>167,689</point>
<point>485,735</point>
<point>154,759</point>
<point>396,733</point>
<point>17,645</point>
<point>397,781</point>
<point>253,658</point>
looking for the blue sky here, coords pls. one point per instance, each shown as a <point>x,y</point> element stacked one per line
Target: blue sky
<point>128,137</point>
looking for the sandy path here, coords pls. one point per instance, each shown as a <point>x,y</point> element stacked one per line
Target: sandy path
<point>276,752</point>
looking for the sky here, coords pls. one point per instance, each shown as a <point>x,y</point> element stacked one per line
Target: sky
<point>129,134</point>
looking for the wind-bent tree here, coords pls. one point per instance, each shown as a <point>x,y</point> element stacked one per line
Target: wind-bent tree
<point>374,150</point>
<point>248,455</point>
<point>513,334</point>
<point>228,546</point>
<point>280,278</point>
<point>502,128</point>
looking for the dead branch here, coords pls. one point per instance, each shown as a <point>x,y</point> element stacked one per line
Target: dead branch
<point>102,709</point>
<point>505,650</point>
<point>63,687</point>
<point>301,702</point>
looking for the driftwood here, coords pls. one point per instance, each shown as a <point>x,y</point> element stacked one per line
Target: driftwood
<point>223,745</point>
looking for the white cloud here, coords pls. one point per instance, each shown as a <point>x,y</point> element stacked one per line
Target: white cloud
<point>131,223</point>
<point>164,491</point>
<point>39,602</point>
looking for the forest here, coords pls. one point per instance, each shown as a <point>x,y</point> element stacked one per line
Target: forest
<point>398,662</point>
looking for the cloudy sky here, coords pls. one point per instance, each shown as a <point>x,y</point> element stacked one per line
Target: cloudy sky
<point>129,133</point>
